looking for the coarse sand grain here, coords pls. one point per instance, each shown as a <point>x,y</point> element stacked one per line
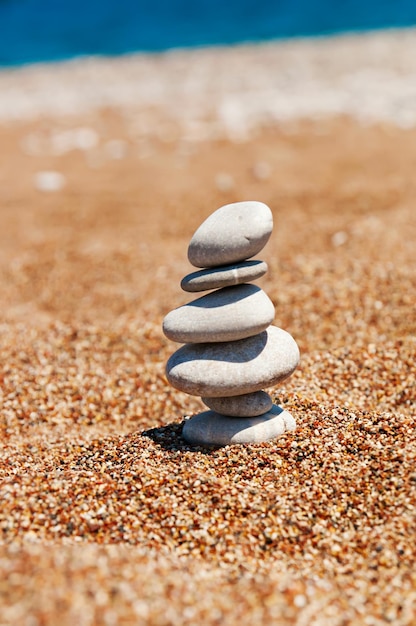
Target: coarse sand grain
<point>107,516</point>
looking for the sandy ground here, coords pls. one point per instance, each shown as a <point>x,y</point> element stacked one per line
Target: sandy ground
<point>107,517</point>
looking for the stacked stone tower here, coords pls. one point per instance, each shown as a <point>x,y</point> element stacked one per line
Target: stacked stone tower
<point>231,351</point>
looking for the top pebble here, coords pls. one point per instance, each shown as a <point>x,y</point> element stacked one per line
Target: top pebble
<point>233,233</point>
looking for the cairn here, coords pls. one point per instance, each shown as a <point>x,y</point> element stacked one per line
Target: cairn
<point>231,350</point>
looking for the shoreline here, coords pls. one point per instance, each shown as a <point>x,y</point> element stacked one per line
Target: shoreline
<point>231,90</point>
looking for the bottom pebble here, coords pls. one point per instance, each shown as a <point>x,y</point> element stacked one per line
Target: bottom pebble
<point>212,429</point>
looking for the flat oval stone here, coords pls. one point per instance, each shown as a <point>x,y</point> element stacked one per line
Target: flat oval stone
<point>209,429</point>
<point>224,276</point>
<point>235,367</point>
<point>233,233</point>
<point>224,315</point>
<point>245,405</point>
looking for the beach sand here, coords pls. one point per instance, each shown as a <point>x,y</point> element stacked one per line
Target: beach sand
<point>107,167</point>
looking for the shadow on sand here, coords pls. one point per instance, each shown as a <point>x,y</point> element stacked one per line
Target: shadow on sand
<point>169,437</point>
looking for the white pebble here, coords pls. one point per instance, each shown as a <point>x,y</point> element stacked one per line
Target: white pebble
<point>261,170</point>
<point>299,601</point>
<point>224,182</point>
<point>49,181</point>
<point>339,238</point>
<point>85,138</point>
<point>82,138</point>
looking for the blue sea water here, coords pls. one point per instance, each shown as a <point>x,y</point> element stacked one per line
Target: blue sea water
<point>47,30</point>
